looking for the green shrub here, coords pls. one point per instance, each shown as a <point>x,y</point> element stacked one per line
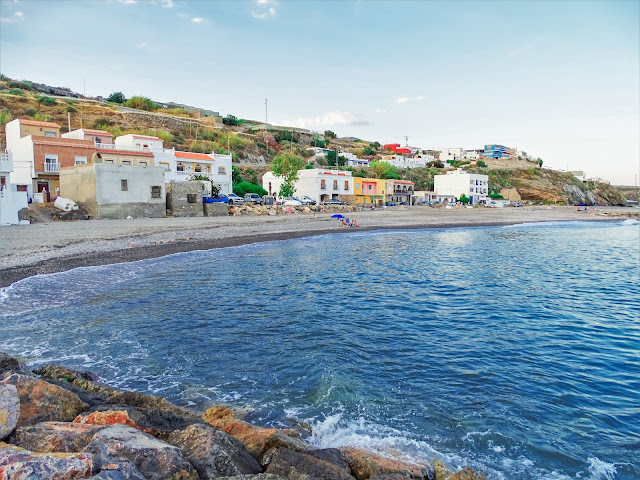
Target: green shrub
<point>280,136</point>
<point>102,122</point>
<point>71,109</point>
<point>142,103</point>
<point>230,120</point>
<point>5,117</point>
<point>41,117</point>
<point>16,91</point>
<point>116,97</point>
<point>48,101</point>
<point>496,196</point>
<point>30,112</point>
<point>242,188</point>
<point>481,163</point>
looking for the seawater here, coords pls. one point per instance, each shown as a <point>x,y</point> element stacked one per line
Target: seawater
<point>512,349</point>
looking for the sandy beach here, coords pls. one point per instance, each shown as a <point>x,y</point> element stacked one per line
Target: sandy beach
<point>59,246</point>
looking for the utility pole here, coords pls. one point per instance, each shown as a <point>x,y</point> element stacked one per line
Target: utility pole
<point>406,141</point>
<point>265,112</point>
<point>69,120</point>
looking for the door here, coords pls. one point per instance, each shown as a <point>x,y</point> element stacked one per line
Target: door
<point>44,186</point>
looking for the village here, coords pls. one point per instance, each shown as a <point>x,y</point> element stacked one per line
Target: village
<point>135,175</point>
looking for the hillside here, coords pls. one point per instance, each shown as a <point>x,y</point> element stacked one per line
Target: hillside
<point>253,145</point>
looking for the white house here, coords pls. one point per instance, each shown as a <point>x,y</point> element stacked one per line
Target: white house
<point>319,152</point>
<point>181,166</point>
<point>451,154</point>
<point>11,200</point>
<point>474,154</point>
<point>400,161</point>
<point>97,136</point>
<point>458,182</point>
<point>316,183</point>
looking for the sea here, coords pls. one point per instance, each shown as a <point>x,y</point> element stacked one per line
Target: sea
<point>512,349</point>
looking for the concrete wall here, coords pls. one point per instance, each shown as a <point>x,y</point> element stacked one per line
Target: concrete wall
<point>218,209</point>
<point>78,183</point>
<point>178,199</point>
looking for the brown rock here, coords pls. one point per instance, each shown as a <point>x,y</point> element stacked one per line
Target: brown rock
<point>9,364</point>
<point>41,401</point>
<point>213,452</point>
<point>300,466</point>
<point>55,436</point>
<point>19,464</point>
<point>467,474</point>
<point>440,470</point>
<point>365,465</point>
<point>9,409</point>
<point>108,417</point>
<point>142,400</point>
<point>217,412</point>
<point>153,458</point>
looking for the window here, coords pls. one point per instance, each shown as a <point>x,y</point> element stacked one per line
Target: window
<point>51,163</point>
<point>222,171</point>
<point>108,160</point>
<point>145,146</point>
<point>144,164</point>
<point>335,184</point>
<point>126,162</point>
<point>323,185</point>
<point>49,133</point>
<point>191,197</point>
<point>369,186</point>
<point>80,160</point>
<point>156,191</point>
<point>346,185</point>
<point>97,140</point>
<point>197,169</point>
<point>124,186</point>
<point>180,168</point>
<point>166,166</point>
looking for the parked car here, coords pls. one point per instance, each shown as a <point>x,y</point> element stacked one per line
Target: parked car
<point>306,200</point>
<point>235,199</point>
<point>437,202</point>
<point>253,198</point>
<point>335,201</point>
<point>517,204</point>
<point>220,199</point>
<point>391,204</point>
<point>290,201</point>
<point>404,203</point>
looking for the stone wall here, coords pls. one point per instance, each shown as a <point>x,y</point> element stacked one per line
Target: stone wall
<point>184,199</point>
<point>155,120</point>
<point>135,210</point>
<point>216,209</point>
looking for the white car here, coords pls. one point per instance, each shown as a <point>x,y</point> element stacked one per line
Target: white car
<point>290,202</point>
<point>306,200</point>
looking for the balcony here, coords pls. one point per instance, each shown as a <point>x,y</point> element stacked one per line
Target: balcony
<point>51,167</point>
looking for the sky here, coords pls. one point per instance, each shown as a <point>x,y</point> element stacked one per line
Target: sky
<point>559,80</point>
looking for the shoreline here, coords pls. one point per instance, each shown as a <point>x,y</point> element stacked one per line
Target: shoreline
<point>134,242</point>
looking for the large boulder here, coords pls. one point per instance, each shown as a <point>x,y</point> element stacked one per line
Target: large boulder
<point>9,410</point>
<point>153,458</point>
<point>9,364</point>
<point>213,452</point>
<point>55,436</point>
<point>217,412</point>
<point>467,474</point>
<point>440,470</point>
<point>83,384</point>
<point>258,440</point>
<point>19,464</point>
<point>110,417</point>
<point>41,401</point>
<point>300,466</point>
<point>365,464</point>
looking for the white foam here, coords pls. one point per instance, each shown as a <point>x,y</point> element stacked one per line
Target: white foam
<point>630,221</point>
<point>599,470</point>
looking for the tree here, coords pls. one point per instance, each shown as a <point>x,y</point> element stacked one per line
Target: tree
<point>540,162</point>
<point>375,145</point>
<point>331,159</point>
<point>329,134</point>
<point>464,199</point>
<point>230,120</point>
<point>384,170</point>
<point>116,97</point>
<point>243,188</point>
<point>286,166</point>
<point>368,151</point>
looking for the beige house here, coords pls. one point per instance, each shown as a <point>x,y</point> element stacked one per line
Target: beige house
<point>120,155</point>
<point>110,190</point>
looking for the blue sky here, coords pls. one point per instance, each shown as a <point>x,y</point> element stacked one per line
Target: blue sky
<point>560,80</point>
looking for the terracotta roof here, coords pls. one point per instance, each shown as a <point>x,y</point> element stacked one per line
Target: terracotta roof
<point>97,132</point>
<point>146,137</point>
<point>194,156</point>
<point>403,181</point>
<point>35,123</point>
<point>124,152</point>
<point>63,142</point>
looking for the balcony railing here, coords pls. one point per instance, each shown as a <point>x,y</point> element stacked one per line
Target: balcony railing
<point>51,167</point>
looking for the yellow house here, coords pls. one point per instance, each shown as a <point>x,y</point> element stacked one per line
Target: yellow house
<point>369,191</point>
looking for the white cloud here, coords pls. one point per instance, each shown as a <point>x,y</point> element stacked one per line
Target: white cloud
<point>141,44</point>
<point>401,100</point>
<point>199,20</point>
<point>380,110</point>
<point>329,119</point>
<point>167,3</point>
<point>17,16</point>
<point>128,2</point>
<point>264,10</point>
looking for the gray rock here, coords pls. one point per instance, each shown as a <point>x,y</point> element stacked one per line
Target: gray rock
<point>300,466</point>
<point>9,409</point>
<point>17,463</point>
<point>56,436</point>
<point>153,458</point>
<point>213,452</point>
<point>9,364</point>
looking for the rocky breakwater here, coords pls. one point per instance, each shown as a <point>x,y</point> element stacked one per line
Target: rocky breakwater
<point>58,423</point>
<point>249,209</point>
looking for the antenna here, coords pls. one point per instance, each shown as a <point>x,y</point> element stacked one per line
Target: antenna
<point>406,141</point>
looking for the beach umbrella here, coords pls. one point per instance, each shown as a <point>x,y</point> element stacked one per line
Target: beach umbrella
<point>337,215</point>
